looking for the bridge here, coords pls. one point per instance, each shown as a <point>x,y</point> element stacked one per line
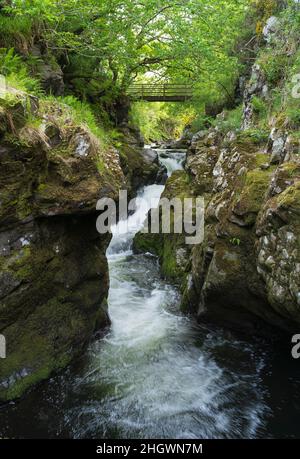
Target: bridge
<point>161,92</point>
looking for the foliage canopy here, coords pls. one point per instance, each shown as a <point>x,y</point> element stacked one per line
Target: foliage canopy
<point>118,41</point>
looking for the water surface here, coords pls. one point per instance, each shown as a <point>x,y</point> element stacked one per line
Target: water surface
<point>156,373</point>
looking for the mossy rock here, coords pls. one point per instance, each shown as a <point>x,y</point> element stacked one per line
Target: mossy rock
<point>170,248</point>
<point>289,201</point>
<point>54,305</point>
<point>178,186</point>
<point>147,243</point>
<point>137,170</point>
<point>45,342</point>
<point>53,269</point>
<point>248,202</point>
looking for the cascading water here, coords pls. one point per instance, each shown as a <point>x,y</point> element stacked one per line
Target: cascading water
<point>152,377</point>
<point>172,161</point>
<point>156,373</point>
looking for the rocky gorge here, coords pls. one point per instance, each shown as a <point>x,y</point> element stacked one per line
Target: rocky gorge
<point>53,268</point>
<point>246,273</point>
<point>134,334</point>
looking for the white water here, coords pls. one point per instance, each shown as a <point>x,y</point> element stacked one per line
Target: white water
<point>157,373</point>
<point>173,162</point>
<point>154,374</point>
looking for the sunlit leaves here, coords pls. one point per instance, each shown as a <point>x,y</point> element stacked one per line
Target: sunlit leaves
<point>169,39</point>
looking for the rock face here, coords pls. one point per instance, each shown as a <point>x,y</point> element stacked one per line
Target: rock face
<point>53,270</point>
<point>52,78</point>
<point>278,247</point>
<point>170,248</point>
<point>246,273</point>
<point>140,165</point>
<point>257,86</point>
<point>272,26</point>
<point>248,264</point>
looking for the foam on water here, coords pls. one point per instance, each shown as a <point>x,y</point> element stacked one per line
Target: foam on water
<point>155,373</point>
<point>152,377</point>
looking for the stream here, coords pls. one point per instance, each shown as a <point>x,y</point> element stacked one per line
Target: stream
<point>158,374</point>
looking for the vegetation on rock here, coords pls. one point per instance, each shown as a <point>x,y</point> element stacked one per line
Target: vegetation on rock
<point>69,135</point>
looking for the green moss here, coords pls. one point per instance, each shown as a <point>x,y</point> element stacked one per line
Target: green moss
<point>290,170</point>
<point>24,208</point>
<point>148,243</point>
<point>290,198</point>
<point>253,137</point>
<point>42,188</point>
<point>22,266</point>
<point>256,185</point>
<point>178,185</point>
<point>23,384</point>
<point>261,159</point>
<point>64,150</point>
<point>248,202</point>
<point>101,166</point>
<point>42,345</point>
<point>165,248</point>
<point>169,266</point>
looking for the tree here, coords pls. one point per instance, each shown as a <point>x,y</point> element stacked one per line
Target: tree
<point>135,39</point>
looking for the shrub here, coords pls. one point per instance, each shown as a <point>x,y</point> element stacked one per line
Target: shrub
<point>16,72</point>
<point>256,136</point>
<point>15,32</point>
<point>232,121</point>
<point>80,112</point>
<point>274,65</point>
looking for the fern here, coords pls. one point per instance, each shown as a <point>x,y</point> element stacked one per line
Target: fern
<point>16,72</point>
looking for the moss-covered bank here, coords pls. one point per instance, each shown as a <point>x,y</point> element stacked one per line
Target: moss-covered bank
<point>53,270</point>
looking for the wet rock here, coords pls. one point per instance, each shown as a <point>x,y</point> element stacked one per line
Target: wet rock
<point>141,166</point>
<point>169,248</point>
<point>150,156</point>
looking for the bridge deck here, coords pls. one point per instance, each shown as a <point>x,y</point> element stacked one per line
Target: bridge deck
<point>161,93</point>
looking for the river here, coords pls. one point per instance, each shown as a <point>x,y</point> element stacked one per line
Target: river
<point>158,374</point>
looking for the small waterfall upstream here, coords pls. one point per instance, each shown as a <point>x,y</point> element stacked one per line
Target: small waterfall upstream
<point>152,374</point>
<point>155,373</point>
